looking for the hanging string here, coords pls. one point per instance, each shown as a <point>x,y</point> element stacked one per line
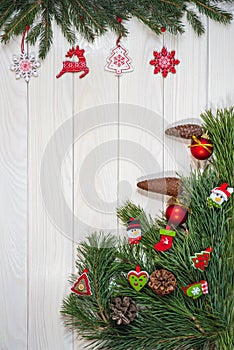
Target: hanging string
<point>23,38</point>
<point>119,20</point>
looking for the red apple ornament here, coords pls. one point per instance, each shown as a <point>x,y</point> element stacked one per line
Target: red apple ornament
<point>176,214</point>
<point>201,148</point>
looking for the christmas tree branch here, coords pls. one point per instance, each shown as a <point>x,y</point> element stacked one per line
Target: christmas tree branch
<point>93,18</point>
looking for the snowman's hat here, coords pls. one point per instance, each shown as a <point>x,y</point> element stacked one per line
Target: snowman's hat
<point>133,224</point>
<point>224,191</point>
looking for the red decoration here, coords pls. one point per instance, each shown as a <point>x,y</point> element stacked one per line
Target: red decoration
<point>119,62</point>
<point>74,67</point>
<point>201,260</point>
<point>195,290</point>
<point>176,214</point>
<point>164,62</point>
<point>201,148</point>
<point>138,278</point>
<point>82,286</point>
<point>166,239</point>
<point>163,29</point>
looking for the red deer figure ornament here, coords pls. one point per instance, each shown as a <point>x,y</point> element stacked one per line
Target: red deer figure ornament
<point>74,67</point>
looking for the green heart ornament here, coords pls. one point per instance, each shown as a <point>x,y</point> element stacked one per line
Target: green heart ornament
<point>138,279</point>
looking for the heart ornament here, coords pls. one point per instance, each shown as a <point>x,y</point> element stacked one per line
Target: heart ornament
<point>138,279</point>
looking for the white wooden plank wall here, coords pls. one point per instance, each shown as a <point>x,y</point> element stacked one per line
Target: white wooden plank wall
<point>72,149</point>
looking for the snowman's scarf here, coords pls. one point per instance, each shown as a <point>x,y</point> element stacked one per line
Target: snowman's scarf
<point>211,203</point>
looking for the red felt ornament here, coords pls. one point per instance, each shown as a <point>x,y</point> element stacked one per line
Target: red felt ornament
<point>74,67</point>
<point>164,62</point>
<point>166,239</point>
<point>201,260</point>
<point>201,148</point>
<point>82,286</point>
<point>176,214</point>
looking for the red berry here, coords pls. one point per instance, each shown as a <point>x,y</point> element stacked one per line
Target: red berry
<point>163,29</point>
<point>118,19</point>
<point>176,214</point>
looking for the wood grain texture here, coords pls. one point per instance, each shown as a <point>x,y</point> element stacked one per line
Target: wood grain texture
<point>50,247</point>
<point>13,204</point>
<point>185,95</point>
<point>117,126</point>
<point>140,119</point>
<point>221,68</point>
<point>95,146</point>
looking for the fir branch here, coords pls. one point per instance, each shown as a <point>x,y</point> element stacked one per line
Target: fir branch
<point>93,18</point>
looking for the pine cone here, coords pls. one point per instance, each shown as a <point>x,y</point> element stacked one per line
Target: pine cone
<point>162,282</point>
<point>170,186</point>
<point>185,131</point>
<point>124,310</point>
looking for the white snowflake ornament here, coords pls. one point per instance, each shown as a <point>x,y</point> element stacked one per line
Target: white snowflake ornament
<point>119,62</point>
<point>25,66</point>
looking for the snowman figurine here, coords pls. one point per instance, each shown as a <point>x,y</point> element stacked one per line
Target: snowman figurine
<point>219,195</point>
<point>134,231</point>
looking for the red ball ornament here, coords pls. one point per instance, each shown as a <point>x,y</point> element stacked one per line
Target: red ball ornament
<point>176,214</point>
<point>201,148</point>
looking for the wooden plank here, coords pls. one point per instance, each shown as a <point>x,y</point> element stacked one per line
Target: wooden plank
<point>141,120</point>
<point>13,204</point>
<point>221,69</point>
<point>50,244</point>
<point>185,95</point>
<point>95,147</point>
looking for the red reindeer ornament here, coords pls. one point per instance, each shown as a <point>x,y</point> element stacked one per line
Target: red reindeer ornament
<point>74,67</point>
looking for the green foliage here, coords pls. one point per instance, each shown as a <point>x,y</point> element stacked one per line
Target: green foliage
<point>93,18</point>
<point>174,321</point>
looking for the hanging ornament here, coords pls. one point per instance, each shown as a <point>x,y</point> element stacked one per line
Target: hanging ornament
<point>162,282</point>
<point>138,278</point>
<point>176,214</point>
<point>164,62</point>
<point>185,131</point>
<point>124,310</point>
<point>25,65</point>
<point>119,62</point>
<point>201,148</point>
<point>166,239</point>
<point>134,231</point>
<point>170,186</point>
<point>219,195</point>
<point>75,67</point>
<point>82,286</point>
<point>195,290</point>
<point>201,260</point>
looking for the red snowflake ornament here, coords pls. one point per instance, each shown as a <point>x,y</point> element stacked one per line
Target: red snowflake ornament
<point>164,62</point>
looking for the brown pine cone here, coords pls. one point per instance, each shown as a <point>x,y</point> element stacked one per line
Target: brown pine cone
<point>162,282</point>
<point>170,186</point>
<point>185,131</point>
<point>124,310</point>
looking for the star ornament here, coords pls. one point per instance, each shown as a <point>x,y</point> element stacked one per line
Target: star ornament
<point>25,66</point>
<point>164,62</point>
